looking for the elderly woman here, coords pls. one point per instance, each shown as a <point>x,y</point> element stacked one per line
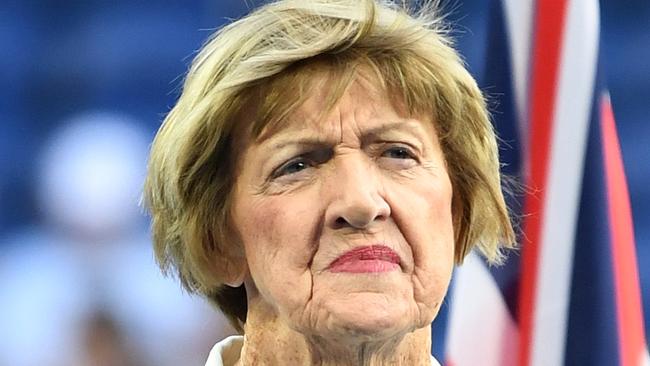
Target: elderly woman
<point>327,164</point>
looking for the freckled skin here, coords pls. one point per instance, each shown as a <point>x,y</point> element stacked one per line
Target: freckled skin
<point>380,180</point>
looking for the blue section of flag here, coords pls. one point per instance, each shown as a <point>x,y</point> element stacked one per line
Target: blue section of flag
<point>592,334</point>
<point>498,86</point>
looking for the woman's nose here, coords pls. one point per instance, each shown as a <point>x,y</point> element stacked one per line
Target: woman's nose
<point>357,196</point>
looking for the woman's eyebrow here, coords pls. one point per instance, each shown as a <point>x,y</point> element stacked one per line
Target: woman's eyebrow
<point>410,127</point>
<point>303,142</point>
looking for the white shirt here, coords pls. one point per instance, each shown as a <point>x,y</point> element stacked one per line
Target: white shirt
<point>226,352</point>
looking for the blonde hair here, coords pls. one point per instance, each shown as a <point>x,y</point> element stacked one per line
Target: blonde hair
<point>260,57</point>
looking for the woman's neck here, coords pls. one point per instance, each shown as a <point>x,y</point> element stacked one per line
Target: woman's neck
<point>269,341</point>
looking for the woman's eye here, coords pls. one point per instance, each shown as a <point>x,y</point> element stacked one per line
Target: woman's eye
<point>291,167</point>
<point>398,152</point>
<point>309,159</point>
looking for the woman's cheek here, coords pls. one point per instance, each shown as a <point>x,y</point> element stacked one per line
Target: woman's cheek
<point>423,214</point>
<point>281,250</point>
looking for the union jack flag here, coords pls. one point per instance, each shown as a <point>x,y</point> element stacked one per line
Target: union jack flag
<point>570,296</point>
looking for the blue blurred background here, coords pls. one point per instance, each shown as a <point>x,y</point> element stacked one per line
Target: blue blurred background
<point>84,87</point>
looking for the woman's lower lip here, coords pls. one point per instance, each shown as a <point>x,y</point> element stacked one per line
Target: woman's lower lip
<point>366,259</point>
<point>364,266</point>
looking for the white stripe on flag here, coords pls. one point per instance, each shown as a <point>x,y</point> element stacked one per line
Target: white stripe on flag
<point>573,103</point>
<point>518,17</point>
<point>481,330</point>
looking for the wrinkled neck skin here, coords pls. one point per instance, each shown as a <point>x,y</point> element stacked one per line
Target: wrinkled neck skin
<point>269,341</point>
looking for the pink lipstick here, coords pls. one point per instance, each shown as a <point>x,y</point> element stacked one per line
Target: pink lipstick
<point>367,259</point>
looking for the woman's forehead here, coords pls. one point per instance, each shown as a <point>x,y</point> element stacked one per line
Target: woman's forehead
<point>364,109</point>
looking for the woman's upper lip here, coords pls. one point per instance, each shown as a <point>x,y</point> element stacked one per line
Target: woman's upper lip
<point>368,252</point>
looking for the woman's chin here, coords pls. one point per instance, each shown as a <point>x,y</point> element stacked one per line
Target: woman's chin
<point>369,320</point>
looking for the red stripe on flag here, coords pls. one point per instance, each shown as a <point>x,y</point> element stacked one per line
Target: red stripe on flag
<point>549,25</point>
<point>628,298</point>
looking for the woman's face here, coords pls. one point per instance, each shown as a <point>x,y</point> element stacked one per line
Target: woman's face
<point>346,222</point>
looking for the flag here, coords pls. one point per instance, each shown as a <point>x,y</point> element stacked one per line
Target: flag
<point>570,295</point>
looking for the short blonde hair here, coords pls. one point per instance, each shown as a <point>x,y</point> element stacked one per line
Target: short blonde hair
<point>261,62</point>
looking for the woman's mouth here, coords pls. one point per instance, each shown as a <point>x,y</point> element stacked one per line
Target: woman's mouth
<point>366,259</point>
